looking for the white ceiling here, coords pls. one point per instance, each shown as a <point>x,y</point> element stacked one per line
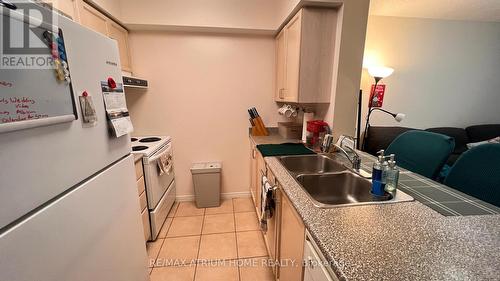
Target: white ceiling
<point>473,10</point>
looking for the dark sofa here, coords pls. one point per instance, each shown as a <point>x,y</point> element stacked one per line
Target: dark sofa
<point>380,137</point>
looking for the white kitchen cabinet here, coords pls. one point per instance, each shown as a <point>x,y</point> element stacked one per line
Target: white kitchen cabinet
<point>272,235</point>
<point>68,8</point>
<point>253,172</point>
<point>141,192</point>
<point>88,16</point>
<point>261,170</point>
<point>292,58</point>
<point>120,34</point>
<point>284,237</point>
<point>304,57</point>
<point>316,268</point>
<point>291,242</point>
<point>93,19</point>
<point>97,21</point>
<point>280,66</point>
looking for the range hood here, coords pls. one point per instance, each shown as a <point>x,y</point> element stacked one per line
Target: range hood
<point>134,82</point>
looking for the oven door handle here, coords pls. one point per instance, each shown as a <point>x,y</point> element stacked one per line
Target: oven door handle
<point>158,154</point>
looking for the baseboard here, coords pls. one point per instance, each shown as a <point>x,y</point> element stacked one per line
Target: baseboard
<point>230,195</point>
<point>181,198</point>
<point>227,195</point>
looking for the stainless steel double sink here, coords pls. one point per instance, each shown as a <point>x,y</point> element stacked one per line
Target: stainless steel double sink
<point>331,184</point>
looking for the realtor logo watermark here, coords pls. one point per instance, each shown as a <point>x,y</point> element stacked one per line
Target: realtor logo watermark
<point>23,33</point>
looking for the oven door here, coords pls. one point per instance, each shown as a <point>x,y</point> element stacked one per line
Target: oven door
<point>159,214</point>
<point>156,184</point>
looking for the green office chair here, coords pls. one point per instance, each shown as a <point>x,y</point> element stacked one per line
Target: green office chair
<point>422,152</point>
<point>477,173</point>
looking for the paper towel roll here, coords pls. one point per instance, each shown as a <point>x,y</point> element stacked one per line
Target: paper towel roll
<point>308,116</point>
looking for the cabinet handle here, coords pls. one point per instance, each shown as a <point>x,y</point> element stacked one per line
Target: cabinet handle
<point>281,93</point>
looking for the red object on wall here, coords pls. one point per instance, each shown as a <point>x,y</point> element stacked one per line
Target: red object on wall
<point>377,95</point>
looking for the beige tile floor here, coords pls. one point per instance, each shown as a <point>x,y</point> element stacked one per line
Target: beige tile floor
<point>222,243</point>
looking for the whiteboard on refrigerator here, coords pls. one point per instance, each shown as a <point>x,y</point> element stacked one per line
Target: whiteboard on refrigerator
<point>30,93</point>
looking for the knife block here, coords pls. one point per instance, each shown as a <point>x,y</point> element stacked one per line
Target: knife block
<point>258,129</point>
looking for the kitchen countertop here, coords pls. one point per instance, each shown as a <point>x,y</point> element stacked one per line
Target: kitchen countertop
<point>401,241</point>
<point>273,138</point>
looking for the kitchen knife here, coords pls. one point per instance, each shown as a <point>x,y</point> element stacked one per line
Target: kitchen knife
<point>255,113</point>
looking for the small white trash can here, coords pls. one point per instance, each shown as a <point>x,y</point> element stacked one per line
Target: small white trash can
<point>206,180</point>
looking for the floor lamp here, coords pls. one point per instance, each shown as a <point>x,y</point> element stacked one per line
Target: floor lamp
<point>378,73</point>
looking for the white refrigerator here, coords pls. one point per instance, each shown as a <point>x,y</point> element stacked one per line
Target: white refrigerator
<point>69,208</point>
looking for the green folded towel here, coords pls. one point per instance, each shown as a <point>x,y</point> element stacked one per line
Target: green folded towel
<point>283,149</point>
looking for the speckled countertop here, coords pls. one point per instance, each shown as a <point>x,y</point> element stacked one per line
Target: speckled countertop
<point>274,137</point>
<point>402,241</point>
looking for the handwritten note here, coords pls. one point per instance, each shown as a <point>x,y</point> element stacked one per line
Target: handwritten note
<point>28,96</point>
<point>19,109</point>
<point>6,84</point>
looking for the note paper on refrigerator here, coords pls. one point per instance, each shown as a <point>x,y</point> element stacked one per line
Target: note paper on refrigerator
<point>116,109</point>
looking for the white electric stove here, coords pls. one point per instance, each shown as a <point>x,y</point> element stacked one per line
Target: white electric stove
<point>148,145</point>
<point>160,183</point>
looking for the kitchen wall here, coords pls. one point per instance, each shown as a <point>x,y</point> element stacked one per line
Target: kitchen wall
<point>283,9</point>
<point>446,72</point>
<point>201,85</point>
<point>202,82</point>
<point>255,14</point>
<point>349,47</point>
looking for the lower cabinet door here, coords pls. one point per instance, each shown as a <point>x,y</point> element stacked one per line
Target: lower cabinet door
<point>291,242</point>
<point>315,268</point>
<point>253,173</point>
<point>261,170</point>
<point>145,224</point>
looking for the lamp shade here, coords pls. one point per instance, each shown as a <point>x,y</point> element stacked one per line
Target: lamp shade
<point>399,117</point>
<point>380,71</point>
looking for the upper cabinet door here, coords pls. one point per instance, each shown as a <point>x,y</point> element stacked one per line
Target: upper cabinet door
<point>93,19</point>
<point>120,34</point>
<point>280,66</point>
<point>292,58</point>
<point>97,21</point>
<point>305,57</point>
<point>67,7</point>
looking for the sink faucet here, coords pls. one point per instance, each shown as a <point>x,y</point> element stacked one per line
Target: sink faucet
<point>355,160</point>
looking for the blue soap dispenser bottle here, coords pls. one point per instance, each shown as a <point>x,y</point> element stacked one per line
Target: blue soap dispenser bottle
<point>378,186</point>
